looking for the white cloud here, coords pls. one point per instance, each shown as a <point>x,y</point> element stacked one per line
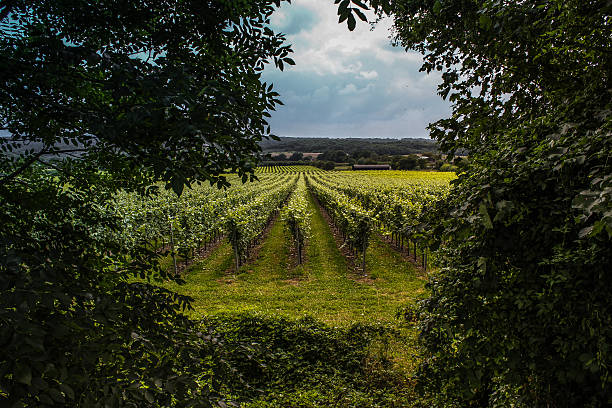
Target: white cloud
<point>368,74</point>
<point>351,89</point>
<point>347,90</point>
<point>279,18</point>
<point>349,83</point>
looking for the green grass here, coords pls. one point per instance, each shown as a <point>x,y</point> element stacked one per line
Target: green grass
<point>271,287</point>
<point>322,287</point>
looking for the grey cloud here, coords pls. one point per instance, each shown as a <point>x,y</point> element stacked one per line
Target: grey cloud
<point>382,95</point>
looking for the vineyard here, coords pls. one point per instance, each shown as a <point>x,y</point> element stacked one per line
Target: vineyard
<point>314,270</point>
<point>370,223</point>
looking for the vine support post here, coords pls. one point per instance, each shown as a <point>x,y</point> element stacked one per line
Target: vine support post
<point>172,248</point>
<point>237,258</point>
<point>364,257</point>
<point>299,246</point>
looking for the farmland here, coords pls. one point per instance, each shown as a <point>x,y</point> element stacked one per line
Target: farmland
<point>360,205</point>
<point>341,246</point>
<point>263,257</point>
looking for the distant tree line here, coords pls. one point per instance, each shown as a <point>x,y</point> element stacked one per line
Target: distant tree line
<point>349,145</point>
<point>328,159</point>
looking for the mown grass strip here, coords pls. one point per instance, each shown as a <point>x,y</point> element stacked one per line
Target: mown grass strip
<point>322,287</point>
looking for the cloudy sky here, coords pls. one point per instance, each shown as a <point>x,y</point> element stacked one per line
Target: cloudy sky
<point>348,84</point>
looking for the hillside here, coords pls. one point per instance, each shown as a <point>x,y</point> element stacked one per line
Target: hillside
<point>349,145</point>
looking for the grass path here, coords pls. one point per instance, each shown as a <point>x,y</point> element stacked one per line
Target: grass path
<point>321,287</point>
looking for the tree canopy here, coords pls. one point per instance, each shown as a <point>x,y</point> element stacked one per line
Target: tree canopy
<point>165,90</point>
<point>520,311</point>
<point>97,96</point>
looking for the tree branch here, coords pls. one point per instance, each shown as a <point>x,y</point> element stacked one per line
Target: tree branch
<point>23,167</point>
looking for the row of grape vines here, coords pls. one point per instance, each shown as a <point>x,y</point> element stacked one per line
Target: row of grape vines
<point>288,169</point>
<point>245,224</point>
<point>359,204</point>
<point>390,202</point>
<point>200,216</point>
<point>347,214</point>
<point>297,217</point>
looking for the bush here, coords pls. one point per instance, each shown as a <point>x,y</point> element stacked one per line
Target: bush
<point>280,363</point>
<point>448,167</point>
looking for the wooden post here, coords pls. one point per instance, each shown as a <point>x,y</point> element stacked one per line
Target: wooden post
<point>364,258</point>
<point>172,248</point>
<point>237,257</point>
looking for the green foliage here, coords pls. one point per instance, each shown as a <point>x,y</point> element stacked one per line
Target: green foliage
<point>324,165</point>
<point>281,363</point>
<point>405,163</point>
<point>521,309</point>
<point>297,156</point>
<point>165,90</point>
<point>98,96</point>
<point>74,331</point>
<point>448,167</point>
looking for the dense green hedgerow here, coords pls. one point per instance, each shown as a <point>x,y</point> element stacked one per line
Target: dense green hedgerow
<point>278,363</point>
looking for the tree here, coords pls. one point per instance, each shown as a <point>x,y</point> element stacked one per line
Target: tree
<point>169,90</point>
<point>325,165</point>
<point>296,156</point>
<point>362,154</point>
<point>408,163</point>
<point>460,162</point>
<point>97,96</point>
<point>339,156</point>
<point>520,310</point>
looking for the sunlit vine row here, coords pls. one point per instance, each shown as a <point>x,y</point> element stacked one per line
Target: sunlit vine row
<point>297,217</point>
<point>352,219</point>
<point>397,198</point>
<point>245,223</point>
<point>189,222</point>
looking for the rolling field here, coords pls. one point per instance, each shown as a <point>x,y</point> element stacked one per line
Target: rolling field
<point>323,287</point>
<point>251,263</point>
<point>322,329</point>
